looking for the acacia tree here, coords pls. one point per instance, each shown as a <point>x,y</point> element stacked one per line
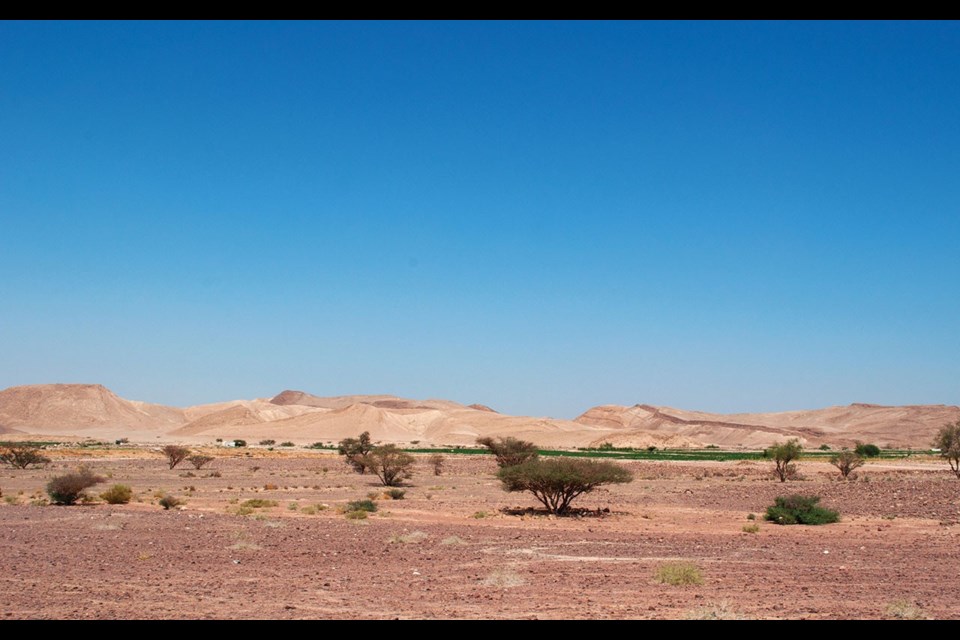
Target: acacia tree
<point>783,455</point>
<point>510,451</point>
<point>22,456</point>
<point>354,449</point>
<point>948,441</point>
<point>846,462</point>
<point>175,454</point>
<point>556,483</point>
<point>390,463</point>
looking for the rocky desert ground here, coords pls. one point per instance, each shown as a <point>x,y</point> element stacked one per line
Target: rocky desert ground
<point>458,546</point>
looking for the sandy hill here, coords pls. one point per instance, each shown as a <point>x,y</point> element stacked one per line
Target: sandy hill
<point>903,426</point>
<point>92,410</point>
<point>67,408</point>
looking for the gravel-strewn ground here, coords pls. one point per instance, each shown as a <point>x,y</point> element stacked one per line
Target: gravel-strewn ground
<point>451,549</point>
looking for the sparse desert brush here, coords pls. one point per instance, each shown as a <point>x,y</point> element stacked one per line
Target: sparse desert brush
<point>117,494</point>
<point>396,494</point>
<point>679,574</point>
<point>170,502</point>
<point>720,611</point>
<point>905,610</point>
<point>258,503</point>
<point>69,488</point>
<point>361,505</point>
<point>437,461</point>
<point>311,510</point>
<point>356,515</point>
<point>479,515</point>
<point>750,528</point>
<point>269,487</point>
<point>267,443</point>
<point>414,537</point>
<point>799,509</point>
<point>287,444</point>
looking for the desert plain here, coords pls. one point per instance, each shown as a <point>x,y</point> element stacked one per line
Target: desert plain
<point>456,545</point>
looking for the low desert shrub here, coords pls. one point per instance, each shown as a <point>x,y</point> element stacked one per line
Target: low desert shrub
<point>117,494</point>
<point>867,450</point>
<point>267,443</point>
<point>750,528</point>
<point>287,444</point>
<point>396,494</point>
<point>905,610</point>
<point>720,611</point>
<point>356,515</point>
<point>679,574</point>
<point>436,461</point>
<point>799,509</point>
<point>69,488</point>
<point>169,502</point>
<point>362,505</point>
<point>258,503</point>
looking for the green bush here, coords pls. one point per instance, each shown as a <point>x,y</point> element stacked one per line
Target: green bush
<point>678,574</point>
<point>798,509</point>
<point>396,494</point>
<point>362,505</point>
<point>259,503</point>
<point>356,515</point>
<point>117,494</point>
<point>267,443</point>
<point>69,488</point>
<point>867,450</point>
<point>287,444</point>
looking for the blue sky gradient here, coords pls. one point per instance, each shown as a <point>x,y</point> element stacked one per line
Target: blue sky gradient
<point>541,217</point>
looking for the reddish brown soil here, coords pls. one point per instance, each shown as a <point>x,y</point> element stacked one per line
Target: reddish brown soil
<point>428,556</point>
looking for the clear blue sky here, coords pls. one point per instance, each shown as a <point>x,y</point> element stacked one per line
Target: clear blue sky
<point>539,217</point>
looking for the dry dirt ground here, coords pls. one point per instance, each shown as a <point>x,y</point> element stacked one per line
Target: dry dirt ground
<point>457,546</point>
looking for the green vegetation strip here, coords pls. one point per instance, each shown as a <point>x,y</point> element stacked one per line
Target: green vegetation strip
<point>665,454</point>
